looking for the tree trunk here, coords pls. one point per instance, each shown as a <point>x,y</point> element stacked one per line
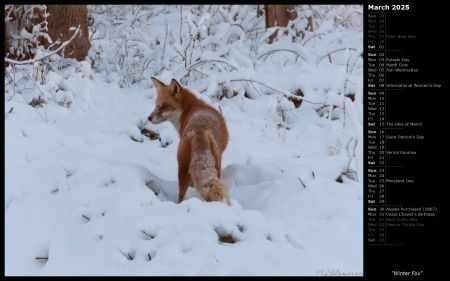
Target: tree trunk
<point>278,15</point>
<point>61,19</point>
<point>37,21</point>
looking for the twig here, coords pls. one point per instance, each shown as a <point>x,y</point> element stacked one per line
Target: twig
<point>287,94</point>
<point>280,50</point>
<point>215,258</point>
<point>320,34</point>
<point>335,51</point>
<point>354,148</point>
<point>304,186</point>
<point>35,59</point>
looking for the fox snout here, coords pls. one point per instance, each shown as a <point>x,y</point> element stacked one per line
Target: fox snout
<point>150,117</point>
<point>155,117</point>
<point>163,113</point>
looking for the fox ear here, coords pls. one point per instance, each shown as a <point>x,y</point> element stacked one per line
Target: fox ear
<point>158,84</point>
<point>174,87</point>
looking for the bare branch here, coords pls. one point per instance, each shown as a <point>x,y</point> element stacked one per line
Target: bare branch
<point>38,58</point>
<point>280,50</point>
<point>281,91</point>
<point>335,51</point>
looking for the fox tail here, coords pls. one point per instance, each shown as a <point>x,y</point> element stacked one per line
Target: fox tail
<point>205,172</point>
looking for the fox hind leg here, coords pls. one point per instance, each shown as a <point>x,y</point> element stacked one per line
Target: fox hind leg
<point>183,186</point>
<point>184,161</point>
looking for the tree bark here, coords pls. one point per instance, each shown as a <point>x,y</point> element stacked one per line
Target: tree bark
<point>23,19</point>
<point>278,15</point>
<point>61,19</point>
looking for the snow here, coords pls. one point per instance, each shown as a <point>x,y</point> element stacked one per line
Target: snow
<point>87,194</point>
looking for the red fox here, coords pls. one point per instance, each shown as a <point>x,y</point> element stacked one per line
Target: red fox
<point>203,138</point>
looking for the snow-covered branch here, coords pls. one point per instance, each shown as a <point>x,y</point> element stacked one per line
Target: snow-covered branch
<point>44,55</point>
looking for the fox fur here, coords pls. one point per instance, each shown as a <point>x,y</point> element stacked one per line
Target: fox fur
<point>203,138</point>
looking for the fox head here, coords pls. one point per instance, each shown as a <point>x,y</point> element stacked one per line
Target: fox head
<point>168,104</point>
